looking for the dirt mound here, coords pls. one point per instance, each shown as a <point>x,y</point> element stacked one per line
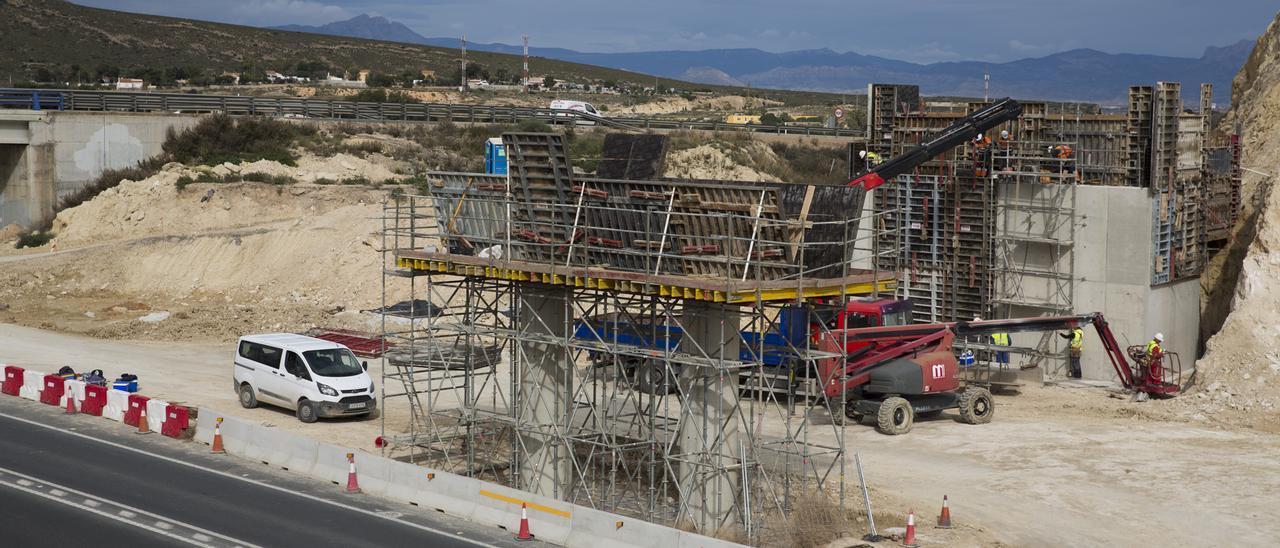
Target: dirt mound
<point>1240,372</point>
<point>721,161</point>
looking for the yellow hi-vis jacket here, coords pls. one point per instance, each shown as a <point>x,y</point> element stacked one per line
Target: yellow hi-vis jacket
<point>1152,347</point>
<point>1077,338</point>
<point>1000,339</point>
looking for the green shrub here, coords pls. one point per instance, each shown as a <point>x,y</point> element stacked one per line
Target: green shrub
<point>34,238</point>
<point>259,177</point>
<point>220,138</point>
<point>324,181</point>
<point>108,179</point>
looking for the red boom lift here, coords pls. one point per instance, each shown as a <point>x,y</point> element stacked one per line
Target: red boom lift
<point>895,373</point>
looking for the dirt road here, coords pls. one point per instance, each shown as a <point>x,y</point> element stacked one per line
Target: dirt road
<point>1058,467</point>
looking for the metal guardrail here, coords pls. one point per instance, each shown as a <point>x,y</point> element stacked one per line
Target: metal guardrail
<point>124,101</point>
<point>31,99</point>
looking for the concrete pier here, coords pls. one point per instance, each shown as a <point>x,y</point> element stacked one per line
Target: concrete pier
<point>545,388</point>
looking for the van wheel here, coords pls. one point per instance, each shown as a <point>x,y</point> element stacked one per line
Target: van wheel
<point>895,416</point>
<point>307,411</point>
<point>247,399</point>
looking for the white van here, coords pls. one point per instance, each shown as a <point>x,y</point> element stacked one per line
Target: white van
<point>575,106</point>
<point>314,377</point>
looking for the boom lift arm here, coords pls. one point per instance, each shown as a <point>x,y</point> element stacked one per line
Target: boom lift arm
<point>953,136</point>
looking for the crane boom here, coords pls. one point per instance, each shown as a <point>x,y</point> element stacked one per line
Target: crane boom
<point>952,136</point>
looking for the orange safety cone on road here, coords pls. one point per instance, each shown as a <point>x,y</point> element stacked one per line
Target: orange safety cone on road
<point>71,401</point>
<point>524,533</point>
<point>944,519</point>
<point>353,485</point>
<point>909,539</point>
<point>217,437</point>
<point>143,426</point>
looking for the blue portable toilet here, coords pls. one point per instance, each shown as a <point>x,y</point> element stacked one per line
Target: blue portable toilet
<point>495,156</point>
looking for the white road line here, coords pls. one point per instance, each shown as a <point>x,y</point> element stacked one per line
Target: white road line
<point>125,512</point>
<point>107,515</point>
<point>91,502</point>
<point>58,493</point>
<point>248,480</point>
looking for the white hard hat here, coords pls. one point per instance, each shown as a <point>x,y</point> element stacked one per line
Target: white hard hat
<point>1004,134</point>
<point>1160,337</point>
<point>1050,149</point>
<point>978,138</point>
<point>977,318</point>
<point>862,154</point>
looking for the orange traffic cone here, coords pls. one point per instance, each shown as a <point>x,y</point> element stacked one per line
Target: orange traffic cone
<point>143,427</point>
<point>944,519</point>
<point>353,486</point>
<point>217,437</point>
<point>71,401</point>
<point>909,539</point>
<point>524,533</point>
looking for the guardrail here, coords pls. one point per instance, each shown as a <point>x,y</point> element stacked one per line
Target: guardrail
<point>184,103</point>
<point>31,99</point>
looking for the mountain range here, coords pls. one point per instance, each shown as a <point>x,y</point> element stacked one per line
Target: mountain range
<point>1078,74</point>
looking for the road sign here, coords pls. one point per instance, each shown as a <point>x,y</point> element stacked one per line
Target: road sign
<point>839,112</point>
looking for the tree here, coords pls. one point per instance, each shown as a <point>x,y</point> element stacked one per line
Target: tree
<point>501,75</point>
<point>379,80</point>
<point>548,82</point>
<point>770,119</point>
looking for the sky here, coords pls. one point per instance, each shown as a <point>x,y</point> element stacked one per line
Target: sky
<point>922,31</point>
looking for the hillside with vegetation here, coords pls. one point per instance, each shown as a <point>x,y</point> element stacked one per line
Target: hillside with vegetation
<point>59,42</point>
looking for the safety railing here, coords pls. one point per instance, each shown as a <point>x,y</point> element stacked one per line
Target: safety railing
<point>31,99</point>
<point>185,103</point>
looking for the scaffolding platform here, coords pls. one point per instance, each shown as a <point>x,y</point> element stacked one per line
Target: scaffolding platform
<point>684,287</point>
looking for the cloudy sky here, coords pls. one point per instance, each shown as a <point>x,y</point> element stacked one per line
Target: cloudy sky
<point>911,30</point>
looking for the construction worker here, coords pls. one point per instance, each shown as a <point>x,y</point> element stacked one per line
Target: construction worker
<point>1074,349</point>
<point>1002,356</point>
<point>1004,148</point>
<point>872,159</point>
<point>1063,154</point>
<point>981,155</point>
<point>1155,355</point>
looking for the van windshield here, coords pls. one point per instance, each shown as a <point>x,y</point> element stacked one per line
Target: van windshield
<point>334,362</point>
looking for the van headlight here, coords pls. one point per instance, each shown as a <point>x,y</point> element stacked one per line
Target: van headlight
<point>326,389</point>
<point>371,390</point>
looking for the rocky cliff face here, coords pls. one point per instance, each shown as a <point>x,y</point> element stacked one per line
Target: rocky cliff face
<point>1241,368</point>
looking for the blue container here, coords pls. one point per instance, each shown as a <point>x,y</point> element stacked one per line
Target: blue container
<point>967,358</point>
<point>125,386</point>
<point>495,156</point>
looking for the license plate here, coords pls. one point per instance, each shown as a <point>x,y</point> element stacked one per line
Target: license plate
<point>360,405</point>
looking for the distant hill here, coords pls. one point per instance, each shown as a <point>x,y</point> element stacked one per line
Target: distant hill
<point>53,36</point>
<point>1081,74</point>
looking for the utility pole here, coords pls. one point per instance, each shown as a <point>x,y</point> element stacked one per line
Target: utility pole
<point>524,78</point>
<point>462,86</point>
<point>986,86</point>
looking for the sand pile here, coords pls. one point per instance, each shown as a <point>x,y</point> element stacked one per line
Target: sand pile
<point>1240,371</point>
<point>711,161</point>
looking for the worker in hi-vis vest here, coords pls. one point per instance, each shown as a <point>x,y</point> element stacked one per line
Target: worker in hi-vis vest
<point>1001,339</point>
<point>1074,348</point>
<point>1155,356</point>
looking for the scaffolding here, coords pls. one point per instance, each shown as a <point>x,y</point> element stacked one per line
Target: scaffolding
<point>1035,242</point>
<point>595,341</point>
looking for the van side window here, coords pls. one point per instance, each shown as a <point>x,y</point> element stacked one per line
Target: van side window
<point>293,364</point>
<point>265,355</point>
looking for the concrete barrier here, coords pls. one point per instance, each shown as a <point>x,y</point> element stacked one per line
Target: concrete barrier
<point>551,520</point>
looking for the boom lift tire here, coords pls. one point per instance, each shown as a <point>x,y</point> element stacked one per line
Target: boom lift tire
<point>976,406</point>
<point>895,416</point>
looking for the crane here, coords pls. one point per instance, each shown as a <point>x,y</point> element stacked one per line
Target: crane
<point>898,372</point>
<point>952,136</point>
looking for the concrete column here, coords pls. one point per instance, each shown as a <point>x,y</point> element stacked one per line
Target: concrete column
<point>711,425</point>
<point>545,388</point>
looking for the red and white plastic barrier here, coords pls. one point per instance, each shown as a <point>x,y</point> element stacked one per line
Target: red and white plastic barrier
<point>162,416</point>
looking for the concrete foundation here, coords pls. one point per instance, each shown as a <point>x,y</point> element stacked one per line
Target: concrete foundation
<point>710,437</point>
<point>61,152</point>
<point>545,388</point>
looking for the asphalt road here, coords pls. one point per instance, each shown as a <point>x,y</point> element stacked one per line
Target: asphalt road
<point>68,480</point>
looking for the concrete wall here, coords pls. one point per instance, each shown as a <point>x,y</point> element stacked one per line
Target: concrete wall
<point>1111,261</point>
<point>64,151</point>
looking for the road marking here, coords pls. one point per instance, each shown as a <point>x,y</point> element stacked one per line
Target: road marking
<point>122,516</point>
<point>172,460</point>
<point>531,505</point>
